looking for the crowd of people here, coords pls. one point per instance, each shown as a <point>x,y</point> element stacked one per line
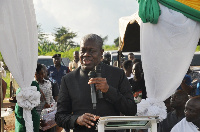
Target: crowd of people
<point>117,92</point>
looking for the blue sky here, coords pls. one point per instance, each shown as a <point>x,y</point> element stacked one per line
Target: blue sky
<point>84,16</point>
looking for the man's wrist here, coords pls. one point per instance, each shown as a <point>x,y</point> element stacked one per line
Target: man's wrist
<point>76,123</point>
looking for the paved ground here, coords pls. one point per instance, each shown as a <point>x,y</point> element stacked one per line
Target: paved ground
<point>9,120</point>
<point>10,123</point>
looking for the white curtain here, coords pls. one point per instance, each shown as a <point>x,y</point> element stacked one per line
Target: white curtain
<point>19,47</point>
<point>167,49</point>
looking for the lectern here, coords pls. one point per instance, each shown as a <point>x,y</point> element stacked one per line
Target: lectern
<point>127,122</point>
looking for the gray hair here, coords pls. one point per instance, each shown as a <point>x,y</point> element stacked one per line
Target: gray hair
<point>93,37</point>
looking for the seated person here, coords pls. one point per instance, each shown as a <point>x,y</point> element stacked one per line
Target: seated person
<point>191,122</point>
<point>178,100</point>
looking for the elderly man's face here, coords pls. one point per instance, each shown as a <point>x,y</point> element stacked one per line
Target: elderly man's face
<point>90,54</point>
<point>192,111</point>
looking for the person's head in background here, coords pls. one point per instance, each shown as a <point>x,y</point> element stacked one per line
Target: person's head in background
<point>115,64</point>
<point>106,58</point>
<point>138,71</point>
<point>136,60</point>
<point>91,51</point>
<point>131,56</point>
<point>76,56</point>
<point>45,72</point>
<point>39,74</point>
<point>192,109</point>
<point>167,104</point>
<point>127,67</point>
<point>57,59</point>
<point>178,100</point>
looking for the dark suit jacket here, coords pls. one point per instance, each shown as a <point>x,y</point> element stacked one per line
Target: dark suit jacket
<point>75,98</point>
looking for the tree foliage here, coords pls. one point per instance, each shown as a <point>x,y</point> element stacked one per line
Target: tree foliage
<point>105,39</point>
<point>63,36</point>
<point>109,47</point>
<point>198,48</point>
<point>63,44</point>
<point>116,41</point>
<point>41,35</point>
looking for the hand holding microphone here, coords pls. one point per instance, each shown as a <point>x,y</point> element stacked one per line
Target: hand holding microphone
<point>100,83</point>
<point>97,84</point>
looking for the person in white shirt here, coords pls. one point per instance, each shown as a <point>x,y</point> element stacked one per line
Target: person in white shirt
<point>75,63</point>
<point>191,122</point>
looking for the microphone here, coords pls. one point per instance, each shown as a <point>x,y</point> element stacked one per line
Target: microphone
<point>92,74</point>
<point>98,74</point>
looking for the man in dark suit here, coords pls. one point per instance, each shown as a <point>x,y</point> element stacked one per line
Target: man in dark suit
<point>75,108</point>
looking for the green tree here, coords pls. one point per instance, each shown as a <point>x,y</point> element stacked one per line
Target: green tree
<point>105,39</point>
<point>198,48</point>
<point>109,47</point>
<point>64,37</point>
<point>116,41</point>
<point>41,35</point>
<point>69,53</point>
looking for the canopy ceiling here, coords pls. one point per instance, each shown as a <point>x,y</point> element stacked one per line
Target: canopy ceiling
<point>129,28</point>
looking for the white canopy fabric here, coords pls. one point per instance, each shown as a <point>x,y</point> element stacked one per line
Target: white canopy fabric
<point>19,47</point>
<point>167,49</point>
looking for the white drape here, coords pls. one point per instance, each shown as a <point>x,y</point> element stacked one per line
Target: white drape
<point>19,47</point>
<point>167,49</point>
